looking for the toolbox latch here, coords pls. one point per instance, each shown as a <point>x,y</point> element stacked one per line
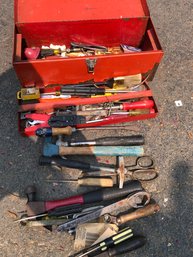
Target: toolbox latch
<point>91,65</point>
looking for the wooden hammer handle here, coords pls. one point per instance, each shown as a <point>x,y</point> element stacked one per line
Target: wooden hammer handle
<point>101,150</point>
<point>140,213</point>
<point>62,131</point>
<point>86,150</point>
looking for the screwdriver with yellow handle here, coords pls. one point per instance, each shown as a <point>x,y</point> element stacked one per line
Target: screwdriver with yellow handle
<point>87,181</point>
<point>125,247</point>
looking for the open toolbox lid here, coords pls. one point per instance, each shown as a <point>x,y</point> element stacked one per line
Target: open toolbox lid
<point>27,11</point>
<point>107,23</point>
<point>93,22</point>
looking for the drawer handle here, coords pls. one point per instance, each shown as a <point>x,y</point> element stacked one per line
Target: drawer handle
<point>91,65</point>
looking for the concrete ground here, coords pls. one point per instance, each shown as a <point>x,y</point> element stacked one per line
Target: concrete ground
<point>169,139</point>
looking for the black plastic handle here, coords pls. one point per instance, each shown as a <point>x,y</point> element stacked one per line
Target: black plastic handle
<point>108,83</point>
<point>112,193</point>
<point>112,141</point>
<point>123,141</point>
<point>127,246</point>
<point>58,161</point>
<point>73,90</point>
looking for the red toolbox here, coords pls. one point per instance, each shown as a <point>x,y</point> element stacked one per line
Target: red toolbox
<point>99,22</point>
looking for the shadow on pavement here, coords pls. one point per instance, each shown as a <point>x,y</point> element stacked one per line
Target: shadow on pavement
<point>19,155</point>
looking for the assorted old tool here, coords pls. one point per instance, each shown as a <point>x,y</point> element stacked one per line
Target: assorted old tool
<point>53,149</point>
<point>143,170</point>
<point>87,181</point>
<point>101,247</point>
<point>34,207</point>
<point>60,213</point>
<point>85,73</point>
<point>124,247</point>
<point>48,132</point>
<point>116,245</point>
<point>109,141</point>
<point>135,200</point>
<point>148,210</point>
<point>56,91</point>
<point>63,162</point>
<point>75,50</point>
<point>83,117</point>
<point>143,104</point>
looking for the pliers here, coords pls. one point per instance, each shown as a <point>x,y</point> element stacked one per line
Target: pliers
<point>35,121</point>
<point>38,120</point>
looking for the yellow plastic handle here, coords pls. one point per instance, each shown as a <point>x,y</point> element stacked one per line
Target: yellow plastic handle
<point>19,95</point>
<point>101,182</point>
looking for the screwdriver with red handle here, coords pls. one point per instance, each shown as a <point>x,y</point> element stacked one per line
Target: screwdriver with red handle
<point>143,104</point>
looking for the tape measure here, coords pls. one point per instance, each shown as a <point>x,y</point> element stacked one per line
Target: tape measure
<point>28,93</point>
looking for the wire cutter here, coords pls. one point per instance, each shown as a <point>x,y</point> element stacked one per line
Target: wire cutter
<point>35,121</point>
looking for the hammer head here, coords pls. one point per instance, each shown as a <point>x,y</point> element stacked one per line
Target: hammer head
<point>33,207</point>
<point>50,149</point>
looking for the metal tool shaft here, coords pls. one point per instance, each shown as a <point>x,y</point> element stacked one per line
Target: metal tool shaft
<point>132,201</point>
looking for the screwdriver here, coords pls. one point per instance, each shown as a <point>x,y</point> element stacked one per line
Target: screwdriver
<point>88,181</point>
<point>144,104</point>
<point>82,91</point>
<point>103,246</point>
<point>62,211</point>
<point>48,132</point>
<point>127,246</point>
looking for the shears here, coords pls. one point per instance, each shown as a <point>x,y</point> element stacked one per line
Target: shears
<point>143,170</point>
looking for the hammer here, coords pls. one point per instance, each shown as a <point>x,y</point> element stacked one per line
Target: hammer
<point>52,150</point>
<point>34,207</point>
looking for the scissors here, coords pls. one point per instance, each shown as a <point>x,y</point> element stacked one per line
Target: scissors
<point>144,169</point>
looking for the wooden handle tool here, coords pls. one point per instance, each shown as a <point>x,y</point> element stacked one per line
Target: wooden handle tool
<point>88,181</point>
<point>48,132</point>
<point>140,213</point>
<point>148,210</point>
